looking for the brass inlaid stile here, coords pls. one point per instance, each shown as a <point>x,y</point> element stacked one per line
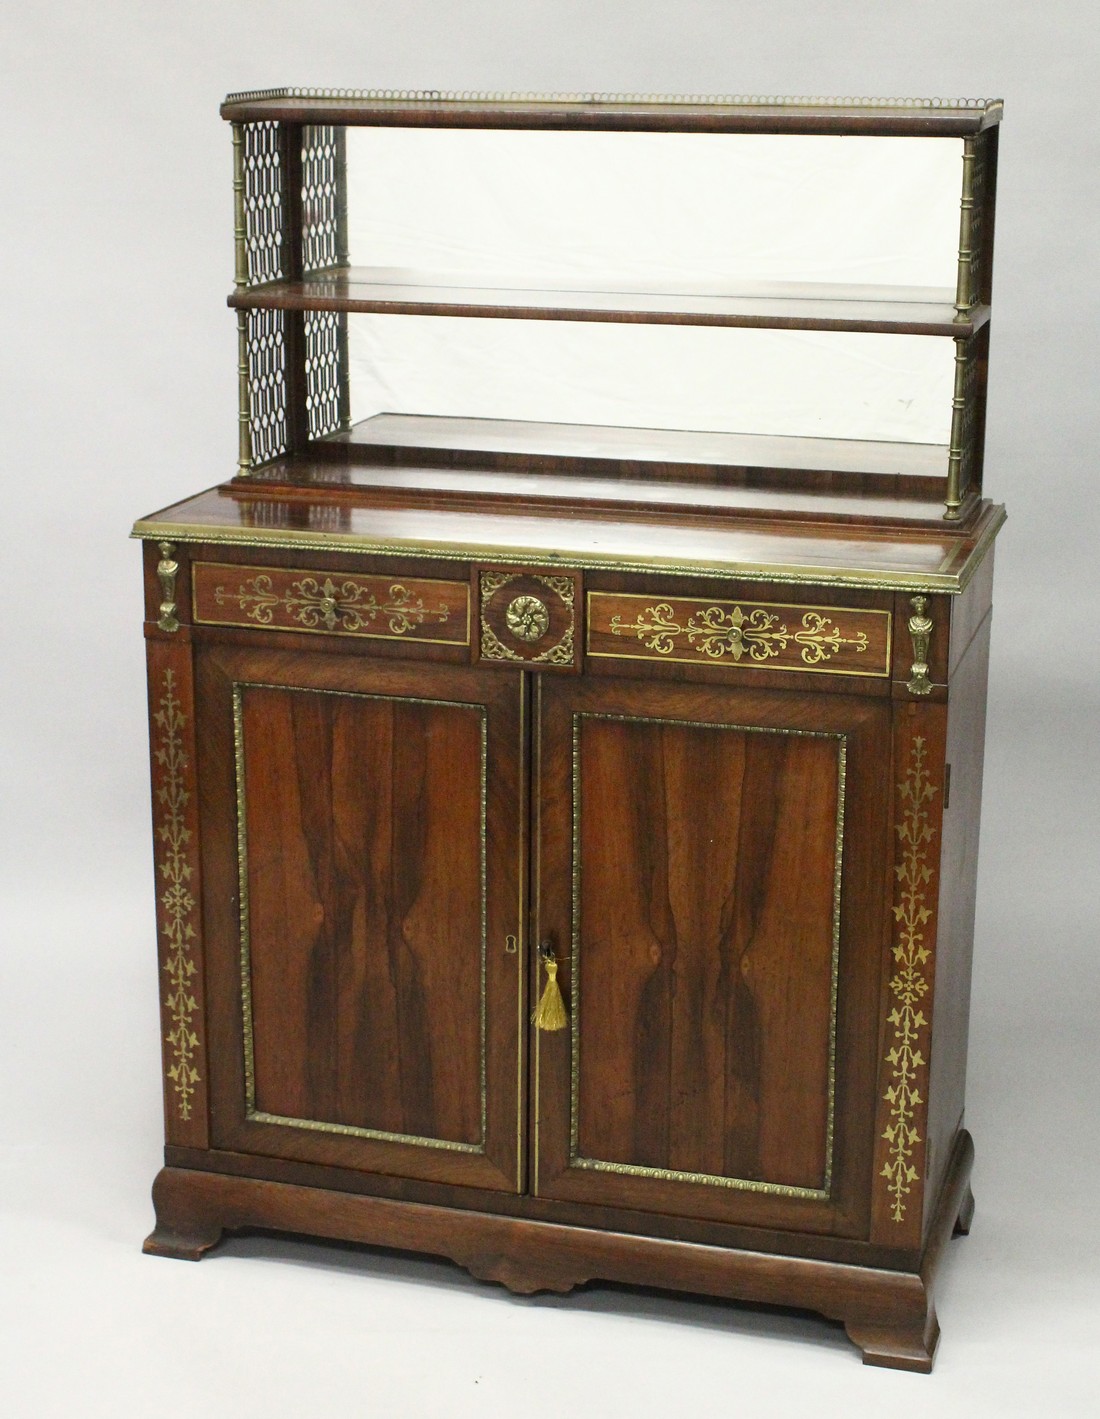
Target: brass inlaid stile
<point>179,909</point>
<point>909,983</point>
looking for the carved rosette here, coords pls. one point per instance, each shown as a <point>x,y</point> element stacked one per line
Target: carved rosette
<point>910,983</point>
<point>175,853</point>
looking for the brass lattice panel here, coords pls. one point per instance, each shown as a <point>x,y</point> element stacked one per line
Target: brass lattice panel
<point>263,202</point>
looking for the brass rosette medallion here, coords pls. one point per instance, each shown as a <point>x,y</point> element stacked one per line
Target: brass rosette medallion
<point>527,618</point>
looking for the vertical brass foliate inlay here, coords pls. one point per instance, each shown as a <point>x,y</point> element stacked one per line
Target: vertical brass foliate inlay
<point>167,571</point>
<point>178,905</point>
<point>920,628</point>
<point>909,983</point>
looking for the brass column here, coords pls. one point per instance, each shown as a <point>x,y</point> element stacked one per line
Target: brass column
<point>240,282</point>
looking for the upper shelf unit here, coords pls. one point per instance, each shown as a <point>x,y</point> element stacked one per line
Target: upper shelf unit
<point>300,282</point>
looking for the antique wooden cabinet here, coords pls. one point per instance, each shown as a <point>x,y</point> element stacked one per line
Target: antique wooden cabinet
<point>566,836</point>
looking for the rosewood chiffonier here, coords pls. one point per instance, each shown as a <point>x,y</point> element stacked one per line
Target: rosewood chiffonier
<point>566,835</point>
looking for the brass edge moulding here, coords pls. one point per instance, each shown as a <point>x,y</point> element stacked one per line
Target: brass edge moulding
<point>753,639</point>
<point>337,604</point>
<point>909,980</point>
<point>945,583</point>
<point>774,1189</point>
<point>254,1115</point>
<point>167,571</point>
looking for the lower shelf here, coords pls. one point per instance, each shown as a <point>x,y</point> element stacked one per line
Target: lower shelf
<point>889,1315</point>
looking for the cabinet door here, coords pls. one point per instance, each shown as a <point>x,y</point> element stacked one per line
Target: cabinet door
<point>363,852</point>
<point>712,871</point>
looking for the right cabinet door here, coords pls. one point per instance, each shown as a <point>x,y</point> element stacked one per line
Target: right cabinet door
<point>712,876</point>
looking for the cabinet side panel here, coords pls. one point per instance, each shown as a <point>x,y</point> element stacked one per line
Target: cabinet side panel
<point>958,879</point>
<point>365,907</point>
<point>706,969</point>
<point>178,889</point>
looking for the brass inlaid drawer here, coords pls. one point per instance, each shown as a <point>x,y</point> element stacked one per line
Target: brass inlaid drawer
<point>836,640</point>
<point>331,603</point>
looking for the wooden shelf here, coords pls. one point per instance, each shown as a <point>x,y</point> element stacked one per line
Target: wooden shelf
<point>625,499</point>
<point>384,290</point>
<point>625,473</point>
<point>722,458</point>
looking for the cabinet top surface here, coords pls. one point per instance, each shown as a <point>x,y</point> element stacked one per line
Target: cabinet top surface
<point>695,112</point>
<point>838,556</point>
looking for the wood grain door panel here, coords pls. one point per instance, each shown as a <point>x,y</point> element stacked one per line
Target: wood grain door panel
<point>362,978</point>
<point>710,878</point>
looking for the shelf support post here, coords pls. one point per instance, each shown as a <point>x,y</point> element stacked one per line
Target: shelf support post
<point>240,282</point>
<point>965,295</point>
<point>953,501</point>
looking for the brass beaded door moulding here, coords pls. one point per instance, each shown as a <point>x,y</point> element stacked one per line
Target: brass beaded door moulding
<point>515,901</point>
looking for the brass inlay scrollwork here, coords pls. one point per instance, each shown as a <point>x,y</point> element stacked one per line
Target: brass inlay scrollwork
<point>717,633</point>
<point>909,984</point>
<point>177,902</point>
<point>347,605</point>
<point>167,571</point>
<point>920,628</point>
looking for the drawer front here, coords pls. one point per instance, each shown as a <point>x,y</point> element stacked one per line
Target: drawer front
<point>331,603</point>
<point>771,635</point>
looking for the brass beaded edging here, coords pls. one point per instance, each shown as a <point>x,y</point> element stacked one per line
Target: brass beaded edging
<point>672,1174</point>
<point>943,583</point>
<point>254,1115</point>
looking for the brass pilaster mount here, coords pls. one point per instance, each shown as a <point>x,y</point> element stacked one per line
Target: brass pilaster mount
<point>167,571</point>
<point>920,628</point>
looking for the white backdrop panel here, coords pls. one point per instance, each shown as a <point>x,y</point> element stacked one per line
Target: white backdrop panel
<point>808,383</point>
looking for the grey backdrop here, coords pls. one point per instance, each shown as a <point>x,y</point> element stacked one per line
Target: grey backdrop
<point>118,396</point>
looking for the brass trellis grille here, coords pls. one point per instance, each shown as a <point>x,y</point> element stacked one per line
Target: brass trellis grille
<point>324,242</point>
<point>267,384</point>
<point>259,181</point>
<point>263,202</point>
<point>324,245</point>
<point>979,179</point>
<point>323,371</point>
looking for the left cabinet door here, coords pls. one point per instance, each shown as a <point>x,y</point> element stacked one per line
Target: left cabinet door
<point>363,856</point>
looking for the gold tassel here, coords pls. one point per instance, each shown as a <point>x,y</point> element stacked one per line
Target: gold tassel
<point>550,1014</point>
